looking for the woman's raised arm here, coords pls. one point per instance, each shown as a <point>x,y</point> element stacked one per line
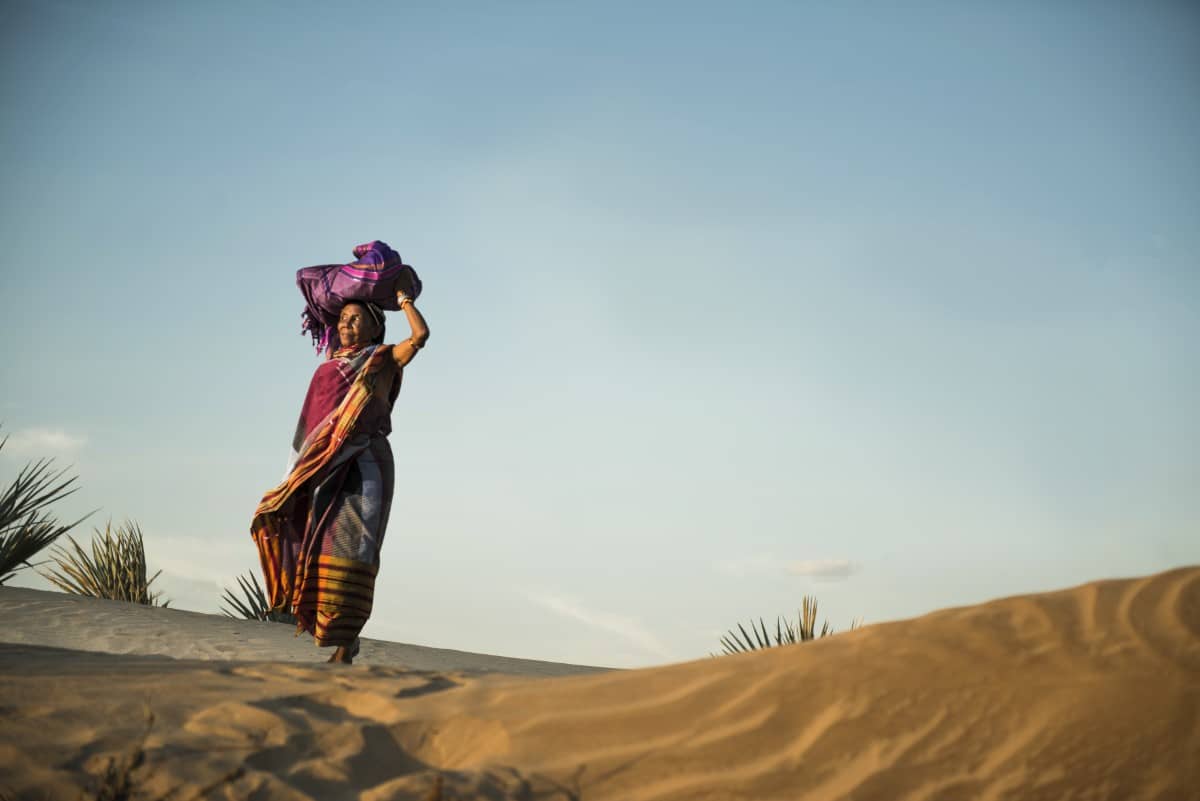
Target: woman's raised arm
<point>405,350</point>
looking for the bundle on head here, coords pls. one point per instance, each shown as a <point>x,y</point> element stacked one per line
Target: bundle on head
<point>374,277</point>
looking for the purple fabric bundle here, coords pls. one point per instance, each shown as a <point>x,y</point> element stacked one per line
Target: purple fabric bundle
<point>374,276</point>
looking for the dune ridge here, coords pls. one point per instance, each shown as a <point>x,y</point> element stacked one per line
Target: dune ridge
<point>1091,692</point>
<point>56,619</point>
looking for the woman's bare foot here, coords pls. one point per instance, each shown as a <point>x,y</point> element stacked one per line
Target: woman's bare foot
<point>344,655</point>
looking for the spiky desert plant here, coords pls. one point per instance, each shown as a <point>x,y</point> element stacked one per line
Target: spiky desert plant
<point>253,604</point>
<point>786,633</point>
<point>25,525</point>
<point>115,569</point>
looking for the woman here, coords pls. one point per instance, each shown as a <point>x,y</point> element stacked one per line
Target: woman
<point>319,533</point>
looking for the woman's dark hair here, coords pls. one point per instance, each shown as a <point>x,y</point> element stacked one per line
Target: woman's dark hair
<point>376,314</point>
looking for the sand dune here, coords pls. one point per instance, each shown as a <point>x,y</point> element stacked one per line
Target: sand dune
<point>70,621</point>
<point>1087,693</point>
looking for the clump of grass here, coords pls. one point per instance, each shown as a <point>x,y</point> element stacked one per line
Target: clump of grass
<point>25,525</point>
<point>786,632</point>
<point>118,782</point>
<point>115,569</point>
<point>253,603</point>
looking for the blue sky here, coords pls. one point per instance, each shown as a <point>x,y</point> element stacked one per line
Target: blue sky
<point>898,307</point>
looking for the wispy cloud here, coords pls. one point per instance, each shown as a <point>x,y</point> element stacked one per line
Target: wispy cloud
<point>828,569</point>
<point>766,565</point>
<point>43,442</point>
<point>629,629</point>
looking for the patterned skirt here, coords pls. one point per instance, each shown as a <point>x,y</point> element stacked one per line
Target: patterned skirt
<point>339,558</point>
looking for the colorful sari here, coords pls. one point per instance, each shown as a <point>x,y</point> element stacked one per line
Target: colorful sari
<point>320,532</point>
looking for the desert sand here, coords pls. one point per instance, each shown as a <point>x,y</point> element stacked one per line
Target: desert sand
<point>1087,693</point>
<point>88,624</point>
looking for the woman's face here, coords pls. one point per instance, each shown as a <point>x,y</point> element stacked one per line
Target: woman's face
<point>355,326</point>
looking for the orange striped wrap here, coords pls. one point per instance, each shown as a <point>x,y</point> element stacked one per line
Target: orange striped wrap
<point>337,591</point>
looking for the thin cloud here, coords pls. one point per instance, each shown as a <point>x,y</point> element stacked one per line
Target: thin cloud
<point>627,628</point>
<point>43,442</point>
<point>827,569</point>
<point>768,565</point>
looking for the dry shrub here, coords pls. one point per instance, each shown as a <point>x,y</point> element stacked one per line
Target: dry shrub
<point>786,633</point>
<point>25,525</point>
<point>115,569</point>
<point>253,603</point>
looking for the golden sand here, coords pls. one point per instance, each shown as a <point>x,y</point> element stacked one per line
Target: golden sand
<point>1086,693</point>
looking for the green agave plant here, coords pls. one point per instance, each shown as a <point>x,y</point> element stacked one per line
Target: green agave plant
<point>25,525</point>
<point>253,603</point>
<point>114,569</point>
<point>786,632</point>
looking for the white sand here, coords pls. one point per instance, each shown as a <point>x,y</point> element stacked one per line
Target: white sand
<point>1087,693</point>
